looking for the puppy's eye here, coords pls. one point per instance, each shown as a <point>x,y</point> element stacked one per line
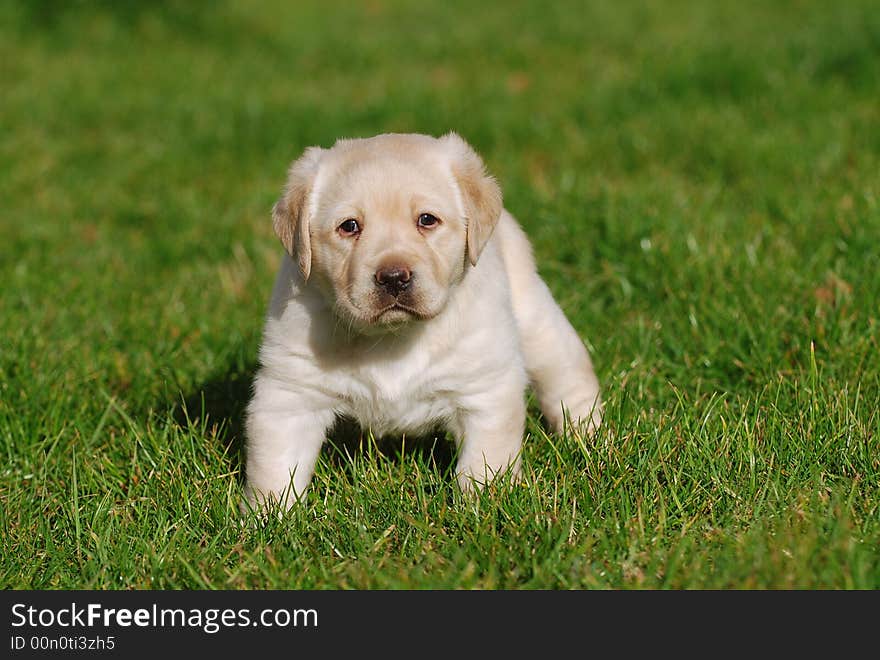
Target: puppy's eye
<point>428,221</point>
<point>349,227</point>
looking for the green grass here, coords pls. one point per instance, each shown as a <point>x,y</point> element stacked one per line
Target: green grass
<point>700,181</point>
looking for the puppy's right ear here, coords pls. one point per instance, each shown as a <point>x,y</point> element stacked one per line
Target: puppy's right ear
<point>290,215</point>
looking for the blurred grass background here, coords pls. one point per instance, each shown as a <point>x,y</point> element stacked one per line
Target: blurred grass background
<point>700,181</point>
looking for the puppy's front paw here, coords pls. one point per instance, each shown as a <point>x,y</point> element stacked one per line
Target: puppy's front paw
<point>587,422</point>
<point>255,507</point>
<point>470,483</point>
<point>581,419</point>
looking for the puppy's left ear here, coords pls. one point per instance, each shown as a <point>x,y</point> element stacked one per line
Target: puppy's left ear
<point>290,215</point>
<point>480,194</point>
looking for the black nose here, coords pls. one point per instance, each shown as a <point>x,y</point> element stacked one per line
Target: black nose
<point>394,279</point>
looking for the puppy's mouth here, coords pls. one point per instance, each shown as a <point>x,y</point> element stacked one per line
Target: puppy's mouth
<point>383,312</point>
<point>398,311</point>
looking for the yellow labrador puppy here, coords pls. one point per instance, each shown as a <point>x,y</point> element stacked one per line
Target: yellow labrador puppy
<point>408,299</point>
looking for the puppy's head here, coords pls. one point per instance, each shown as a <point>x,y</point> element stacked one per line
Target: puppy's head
<point>386,226</point>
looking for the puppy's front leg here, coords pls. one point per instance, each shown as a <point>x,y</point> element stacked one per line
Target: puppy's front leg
<point>492,427</point>
<point>283,444</point>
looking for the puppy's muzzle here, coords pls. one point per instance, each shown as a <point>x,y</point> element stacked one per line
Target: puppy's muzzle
<point>393,279</point>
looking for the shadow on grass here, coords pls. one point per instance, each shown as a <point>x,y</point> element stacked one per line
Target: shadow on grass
<point>347,439</point>
<point>218,407</point>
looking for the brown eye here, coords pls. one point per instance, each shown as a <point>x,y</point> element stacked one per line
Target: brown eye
<point>349,227</point>
<point>428,221</point>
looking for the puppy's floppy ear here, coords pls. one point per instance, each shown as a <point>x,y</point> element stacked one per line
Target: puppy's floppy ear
<point>480,194</point>
<point>290,215</point>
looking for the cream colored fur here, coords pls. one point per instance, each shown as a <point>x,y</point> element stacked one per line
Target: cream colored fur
<point>475,325</point>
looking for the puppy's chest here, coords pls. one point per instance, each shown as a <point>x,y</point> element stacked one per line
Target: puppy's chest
<point>398,398</point>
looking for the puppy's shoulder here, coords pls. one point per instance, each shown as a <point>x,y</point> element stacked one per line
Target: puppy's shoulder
<point>514,244</point>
